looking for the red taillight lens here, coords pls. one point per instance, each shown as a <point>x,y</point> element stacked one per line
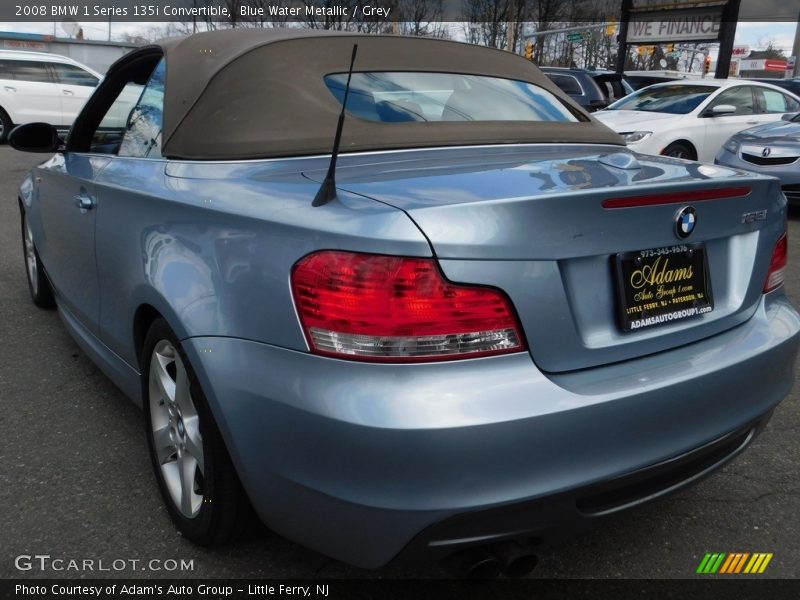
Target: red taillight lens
<point>777,268</point>
<point>394,309</point>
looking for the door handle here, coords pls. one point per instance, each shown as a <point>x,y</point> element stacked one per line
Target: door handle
<point>67,93</point>
<point>752,122</point>
<point>8,88</point>
<point>84,202</point>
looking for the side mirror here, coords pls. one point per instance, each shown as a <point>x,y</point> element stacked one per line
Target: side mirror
<point>720,110</point>
<point>35,137</point>
<point>790,116</point>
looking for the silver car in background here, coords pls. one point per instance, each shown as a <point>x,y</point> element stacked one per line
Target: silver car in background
<point>771,149</point>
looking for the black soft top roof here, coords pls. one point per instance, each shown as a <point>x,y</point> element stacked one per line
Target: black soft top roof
<point>260,93</point>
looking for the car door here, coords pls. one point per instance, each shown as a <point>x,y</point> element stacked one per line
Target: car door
<point>125,194</point>
<point>33,94</point>
<point>68,201</point>
<point>75,85</point>
<point>719,128</point>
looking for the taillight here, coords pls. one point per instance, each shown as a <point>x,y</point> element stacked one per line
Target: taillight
<point>677,197</point>
<point>777,268</point>
<point>395,309</point>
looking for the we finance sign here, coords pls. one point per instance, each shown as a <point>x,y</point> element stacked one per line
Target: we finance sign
<point>675,26</point>
<point>653,21</point>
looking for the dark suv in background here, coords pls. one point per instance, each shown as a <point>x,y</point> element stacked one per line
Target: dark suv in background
<point>593,90</point>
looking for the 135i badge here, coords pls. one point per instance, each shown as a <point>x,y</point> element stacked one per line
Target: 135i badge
<point>752,217</point>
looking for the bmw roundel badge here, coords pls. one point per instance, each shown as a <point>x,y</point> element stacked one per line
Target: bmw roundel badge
<point>685,222</point>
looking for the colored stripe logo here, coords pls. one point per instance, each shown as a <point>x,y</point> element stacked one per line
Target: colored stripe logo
<point>734,563</point>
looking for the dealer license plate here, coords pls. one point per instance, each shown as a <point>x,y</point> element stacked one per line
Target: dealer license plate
<point>662,285</point>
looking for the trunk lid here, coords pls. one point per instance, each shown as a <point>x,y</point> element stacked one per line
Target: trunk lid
<point>531,221</point>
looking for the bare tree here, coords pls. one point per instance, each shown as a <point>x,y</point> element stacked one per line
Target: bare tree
<point>651,59</point>
<point>545,13</point>
<point>597,47</point>
<point>770,49</point>
<point>419,17</point>
<point>487,22</point>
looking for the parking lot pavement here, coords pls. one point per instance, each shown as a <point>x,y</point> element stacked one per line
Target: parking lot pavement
<point>75,478</point>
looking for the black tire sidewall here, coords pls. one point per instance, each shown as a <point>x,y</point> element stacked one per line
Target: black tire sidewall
<point>675,145</point>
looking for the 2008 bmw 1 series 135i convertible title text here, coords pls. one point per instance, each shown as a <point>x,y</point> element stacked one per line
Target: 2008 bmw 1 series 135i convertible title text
<point>487,325</point>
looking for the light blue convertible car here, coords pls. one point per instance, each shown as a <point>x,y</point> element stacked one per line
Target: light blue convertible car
<point>486,326</point>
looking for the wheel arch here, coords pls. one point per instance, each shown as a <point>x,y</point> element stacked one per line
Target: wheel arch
<point>149,308</point>
<point>145,315</point>
<point>686,142</point>
<point>143,319</point>
<point>6,112</point>
<point>10,118</point>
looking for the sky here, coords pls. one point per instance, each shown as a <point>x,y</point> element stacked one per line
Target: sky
<point>755,34</point>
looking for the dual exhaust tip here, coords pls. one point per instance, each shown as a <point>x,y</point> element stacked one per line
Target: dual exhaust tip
<point>511,559</point>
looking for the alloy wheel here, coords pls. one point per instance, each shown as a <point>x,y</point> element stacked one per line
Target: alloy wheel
<point>175,423</point>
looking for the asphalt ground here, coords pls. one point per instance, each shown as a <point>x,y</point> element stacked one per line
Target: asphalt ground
<point>76,483</point>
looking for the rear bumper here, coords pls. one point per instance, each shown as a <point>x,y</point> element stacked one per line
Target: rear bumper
<point>361,461</point>
<point>552,518</point>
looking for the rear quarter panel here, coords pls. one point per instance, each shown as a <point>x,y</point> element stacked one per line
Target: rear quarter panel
<point>211,246</point>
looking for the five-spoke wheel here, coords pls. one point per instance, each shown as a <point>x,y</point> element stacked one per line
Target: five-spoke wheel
<point>175,424</point>
<point>195,474</point>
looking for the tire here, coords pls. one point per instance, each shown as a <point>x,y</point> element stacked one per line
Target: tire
<point>38,285</point>
<point>5,126</point>
<point>680,150</point>
<point>194,472</point>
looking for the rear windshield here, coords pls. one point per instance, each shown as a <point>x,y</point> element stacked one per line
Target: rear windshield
<point>407,96</point>
<point>673,99</point>
<point>567,83</point>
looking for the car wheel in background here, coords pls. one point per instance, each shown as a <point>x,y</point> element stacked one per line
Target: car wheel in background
<point>194,471</point>
<point>5,126</point>
<point>680,150</point>
<point>38,284</point>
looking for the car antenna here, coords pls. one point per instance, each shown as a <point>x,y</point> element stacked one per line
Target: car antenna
<point>327,190</point>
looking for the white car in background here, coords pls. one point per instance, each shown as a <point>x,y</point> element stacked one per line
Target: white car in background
<point>49,88</point>
<point>692,119</point>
